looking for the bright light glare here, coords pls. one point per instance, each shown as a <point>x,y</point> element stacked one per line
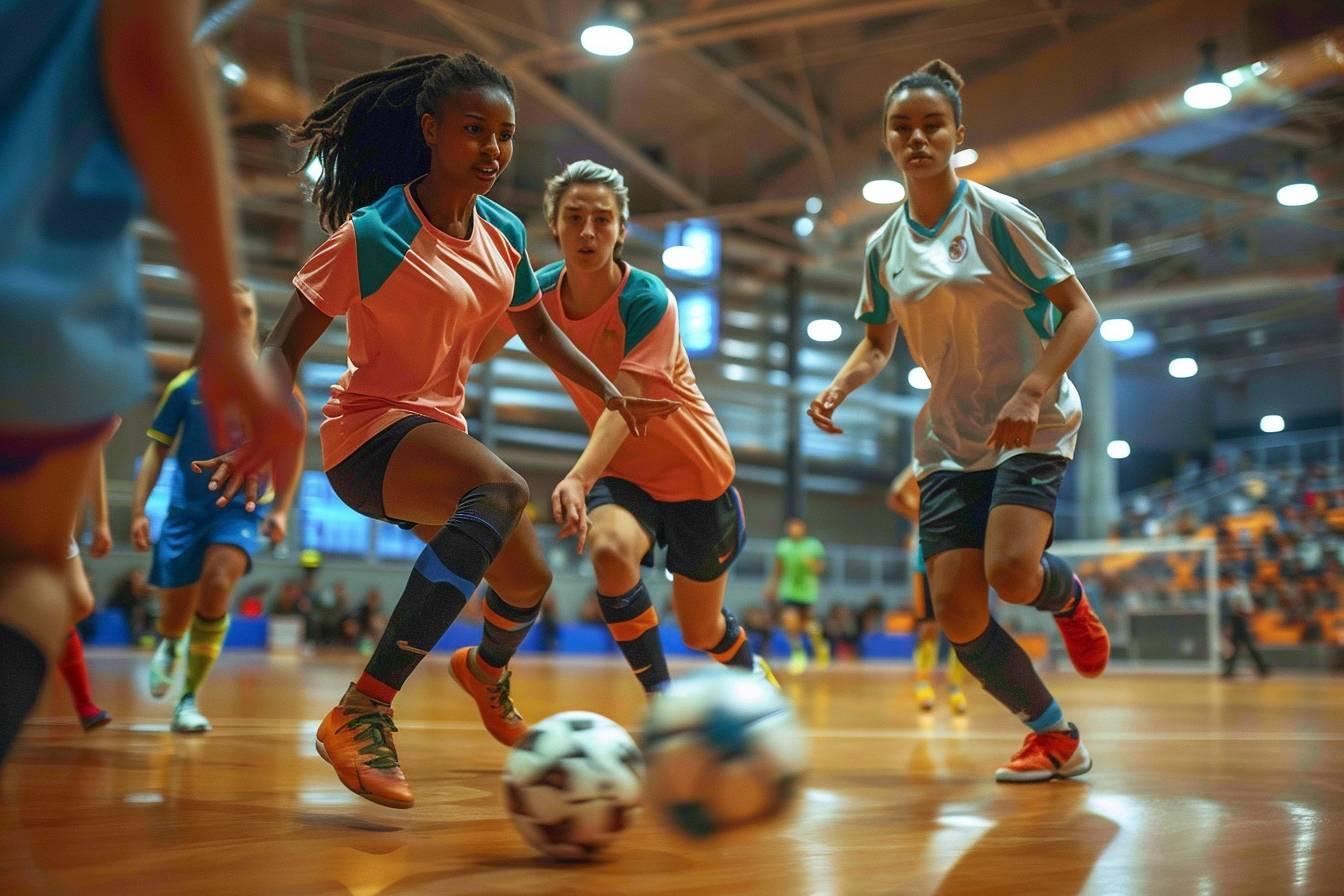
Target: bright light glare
<point>607,40</point>
<point>883,191</point>
<point>1207,95</point>
<point>314,170</point>
<point>1271,423</point>
<point>823,330</point>
<point>813,205</point>
<point>1234,78</point>
<point>804,226</point>
<point>234,73</point>
<point>1117,450</point>
<point>963,157</point>
<point>1304,193</point>
<point>683,258</point>
<point>1182,368</point>
<point>918,379</point>
<point>1117,329</point>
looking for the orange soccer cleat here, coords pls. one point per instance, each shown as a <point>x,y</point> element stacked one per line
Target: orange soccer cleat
<point>1085,637</point>
<point>356,738</point>
<point>1047,755</point>
<point>492,700</point>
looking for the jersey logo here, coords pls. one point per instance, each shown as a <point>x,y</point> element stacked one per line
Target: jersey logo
<point>957,251</point>
<point>409,649</point>
<point>1050,481</point>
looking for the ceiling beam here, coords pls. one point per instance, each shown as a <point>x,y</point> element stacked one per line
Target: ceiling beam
<point>807,102</point>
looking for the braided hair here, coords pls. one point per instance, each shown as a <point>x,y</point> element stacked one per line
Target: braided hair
<point>366,134</point>
<point>936,75</point>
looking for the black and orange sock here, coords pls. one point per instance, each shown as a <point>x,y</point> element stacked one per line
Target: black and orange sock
<point>76,675</point>
<point>732,649</point>
<point>633,622</point>
<point>505,628</point>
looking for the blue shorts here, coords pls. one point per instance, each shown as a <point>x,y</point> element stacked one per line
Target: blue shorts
<point>179,553</point>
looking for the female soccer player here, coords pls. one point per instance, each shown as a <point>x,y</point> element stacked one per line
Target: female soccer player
<point>103,101</point>
<point>73,668</point>
<point>995,316</point>
<point>203,549</point>
<point>672,488</point>
<point>423,266</point>
<point>903,498</point>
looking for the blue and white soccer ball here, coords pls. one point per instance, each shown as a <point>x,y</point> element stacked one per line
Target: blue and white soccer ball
<point>573,783</point>
<point>723,750</point>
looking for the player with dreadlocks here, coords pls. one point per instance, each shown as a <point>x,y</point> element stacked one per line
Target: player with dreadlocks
<point>423,266</point>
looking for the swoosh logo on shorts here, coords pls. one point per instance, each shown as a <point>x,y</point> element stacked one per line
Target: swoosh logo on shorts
<point>1051,481</point>
<point>409,649</point>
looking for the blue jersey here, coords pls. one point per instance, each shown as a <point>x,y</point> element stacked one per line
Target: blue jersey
<point>69,301</point>
<point>181,417</point>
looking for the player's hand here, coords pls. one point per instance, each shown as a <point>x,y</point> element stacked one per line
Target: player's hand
<point>275,526</point>
<point>1016,423</point>
<point>569,508</point>
<point>248,408</point>
<point>637,412</point>
<point>229,476</point>
<point>823,407</point>
<point>102,541</point>
<point>140,532</point>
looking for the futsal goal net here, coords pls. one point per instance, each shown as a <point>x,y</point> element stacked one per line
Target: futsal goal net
<point>1157,597</point>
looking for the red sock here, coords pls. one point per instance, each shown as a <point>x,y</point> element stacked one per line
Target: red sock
<point>76,675</point>
<point>374,689</point>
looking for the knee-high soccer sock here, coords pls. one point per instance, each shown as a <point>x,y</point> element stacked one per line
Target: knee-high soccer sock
<point>76,675</point>
<point>821,648</point>
<point>505,628</point>
<point>926,654</point>
<point>633,622</point>
<point>1001,665</point>
<point>445,574</point>
<point>1059,588</point>
<point>22,669</point>
<point>733,649</point>
<point>207,640</point>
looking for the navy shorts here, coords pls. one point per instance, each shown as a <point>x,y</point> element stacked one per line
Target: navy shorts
<point>703,538</point>
<point>358,480</point>
<point>954,507</point>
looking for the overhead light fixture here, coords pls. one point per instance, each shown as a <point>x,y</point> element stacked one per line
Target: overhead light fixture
<point>1271,423</point>
<point>234,73</point>
<point>918,379</point>
<point>607,35</point>
<point>1117,329</point>
<point>1299,190</point>
<point>963,157</point>
<point>683,258</point>
<point>1182,368</point>
<point>813,205</point>
<point>823,330</point>
<point>313,170</point>
<point>1233,79</point>
<point>1208,91</point>
<point>804,226</point>
<point>1117,449</point>
<point>884,191</point>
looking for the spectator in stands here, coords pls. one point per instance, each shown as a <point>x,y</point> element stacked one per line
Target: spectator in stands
<point>290,601</point>
<point>760,629</point>
<point>131,598</point>
<point>841,629</point>
<point>872,618</point>
<point>1237,611</point>
<point>548,623</point>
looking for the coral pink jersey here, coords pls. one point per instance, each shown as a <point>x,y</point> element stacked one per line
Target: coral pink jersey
<point>417,303</point>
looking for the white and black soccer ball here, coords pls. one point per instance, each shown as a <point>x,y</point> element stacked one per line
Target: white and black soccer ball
<point>723,749</point>
<point>573,783</point>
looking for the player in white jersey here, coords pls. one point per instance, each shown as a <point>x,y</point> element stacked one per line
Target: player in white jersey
<point>995,316</point>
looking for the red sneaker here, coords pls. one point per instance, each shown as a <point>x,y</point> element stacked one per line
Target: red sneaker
<point>1085,637</point>
<point>1050,754</point>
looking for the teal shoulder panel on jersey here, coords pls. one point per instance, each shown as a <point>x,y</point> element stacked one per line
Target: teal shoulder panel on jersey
<point>549,276</point>
<point>383,235</point>
<point>643,304</point>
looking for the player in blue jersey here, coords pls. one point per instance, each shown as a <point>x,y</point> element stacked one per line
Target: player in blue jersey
<point>203,548</point>
<point>102,103</point>
<point>994,314</point>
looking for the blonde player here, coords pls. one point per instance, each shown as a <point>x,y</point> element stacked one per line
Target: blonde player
<point>903,498</point>
<point>995,316</point>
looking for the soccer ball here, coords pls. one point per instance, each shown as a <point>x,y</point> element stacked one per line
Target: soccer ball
<point>573,783</point>
<point>723,749</point>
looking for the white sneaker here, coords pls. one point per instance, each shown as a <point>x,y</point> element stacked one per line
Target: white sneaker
<point>187,719</point>
<point>761,669</point>
<point>162,665</point>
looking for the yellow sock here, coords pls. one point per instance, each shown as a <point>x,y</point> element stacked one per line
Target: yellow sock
<point>926,654</point>
<point>820,646</point>
<point>956,672</point>
<point>207,639</point>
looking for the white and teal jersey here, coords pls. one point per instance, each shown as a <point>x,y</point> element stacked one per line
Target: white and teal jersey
<point>969,294</point>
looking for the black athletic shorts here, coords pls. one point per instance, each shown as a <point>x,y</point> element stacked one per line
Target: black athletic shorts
<point>954,507</point>
<point>921,598</point>
<point>358,480</point>
<point>806,609</point>
<point>703,538</point>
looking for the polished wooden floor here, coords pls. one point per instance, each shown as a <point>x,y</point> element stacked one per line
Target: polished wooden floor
<point>1200,786</point>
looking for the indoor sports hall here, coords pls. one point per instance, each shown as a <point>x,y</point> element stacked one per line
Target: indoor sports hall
<point>919,408</point>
